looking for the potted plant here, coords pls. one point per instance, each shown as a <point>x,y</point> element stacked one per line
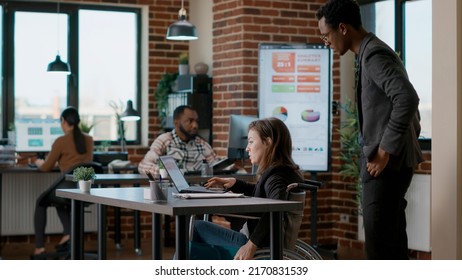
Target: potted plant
<point>349,155</point>
<point>183,61</point>
<point>85,126</point>
<point>162,171</point>
<point>164,88</point>
<point>84,176</point>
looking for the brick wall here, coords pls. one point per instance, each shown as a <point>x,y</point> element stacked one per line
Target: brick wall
<point>238,27</point>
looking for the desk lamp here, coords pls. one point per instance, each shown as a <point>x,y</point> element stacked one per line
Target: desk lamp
<point>129,115</point>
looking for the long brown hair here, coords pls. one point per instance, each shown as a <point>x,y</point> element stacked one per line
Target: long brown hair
<point>279,152</point>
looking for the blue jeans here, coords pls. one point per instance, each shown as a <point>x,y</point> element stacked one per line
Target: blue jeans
<point>216,235</point>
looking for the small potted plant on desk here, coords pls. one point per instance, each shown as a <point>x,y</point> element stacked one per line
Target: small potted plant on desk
<point>162,171</point>
<point>183,67</point>
<point>85,176</point>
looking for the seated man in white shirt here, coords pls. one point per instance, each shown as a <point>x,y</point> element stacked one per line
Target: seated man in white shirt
<point>183,143</point>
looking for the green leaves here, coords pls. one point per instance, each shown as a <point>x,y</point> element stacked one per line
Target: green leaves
<point>351,150</point>
<point>83,174</point>
<point>183,58</point>
<point>164,87</point>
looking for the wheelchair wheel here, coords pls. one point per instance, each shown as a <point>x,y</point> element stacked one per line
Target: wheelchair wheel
<point>306,251</point>
<point>265,254</point>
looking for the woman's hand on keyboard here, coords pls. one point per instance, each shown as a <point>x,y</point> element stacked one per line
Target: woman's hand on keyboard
<point>215,182</point>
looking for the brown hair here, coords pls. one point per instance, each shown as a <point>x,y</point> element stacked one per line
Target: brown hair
<point>71,116</point>
<point>279,152</point>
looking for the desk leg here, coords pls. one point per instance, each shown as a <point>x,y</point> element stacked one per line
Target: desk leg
<point>156,236</point>
<point>181,238</point>
<point>136,225</point>
<point>102,255</point>
<point>117,228</point>
<point>276,235</point>
<point>76,230</point>
<point>118,245</point>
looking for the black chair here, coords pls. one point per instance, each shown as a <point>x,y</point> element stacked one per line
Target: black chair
<point>49,199</point>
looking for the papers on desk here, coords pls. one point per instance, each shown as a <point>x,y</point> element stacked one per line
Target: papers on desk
<point>207,195</point>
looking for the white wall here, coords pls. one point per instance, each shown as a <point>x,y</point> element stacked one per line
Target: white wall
<point>446,213</point>
<point>201,50</point>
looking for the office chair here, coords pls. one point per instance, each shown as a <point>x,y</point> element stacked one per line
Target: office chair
<point>294,248</point>
<point>49,199</point>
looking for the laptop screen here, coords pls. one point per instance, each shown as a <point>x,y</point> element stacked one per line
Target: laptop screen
<point>174,172</point>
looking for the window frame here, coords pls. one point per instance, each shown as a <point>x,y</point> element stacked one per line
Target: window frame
<point>7,94</point>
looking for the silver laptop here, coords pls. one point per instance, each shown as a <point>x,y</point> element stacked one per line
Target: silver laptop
<point>179,180</point>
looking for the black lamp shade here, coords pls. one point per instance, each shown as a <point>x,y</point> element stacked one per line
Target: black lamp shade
<point>130,114</point>
<point>59,66</point>
<point>182,30</point>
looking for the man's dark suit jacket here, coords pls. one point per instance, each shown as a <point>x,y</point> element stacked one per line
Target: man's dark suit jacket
<point>387,105</point>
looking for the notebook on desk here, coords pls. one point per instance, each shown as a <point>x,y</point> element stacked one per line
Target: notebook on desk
<point>179,181</point>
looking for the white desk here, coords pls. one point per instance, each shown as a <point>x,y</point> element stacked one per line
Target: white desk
<point>132,198</point>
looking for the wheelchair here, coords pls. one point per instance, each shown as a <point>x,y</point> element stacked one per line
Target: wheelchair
<point>294,248</point>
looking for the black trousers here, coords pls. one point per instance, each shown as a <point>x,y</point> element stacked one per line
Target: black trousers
<point>384,212</point>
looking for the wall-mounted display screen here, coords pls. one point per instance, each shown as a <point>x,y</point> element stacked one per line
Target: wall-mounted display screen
<point>294,85</point>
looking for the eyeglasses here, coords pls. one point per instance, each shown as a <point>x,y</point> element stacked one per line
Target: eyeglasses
<point>324,37</point>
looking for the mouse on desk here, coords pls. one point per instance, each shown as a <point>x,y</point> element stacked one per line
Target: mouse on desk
<point>32,165</point>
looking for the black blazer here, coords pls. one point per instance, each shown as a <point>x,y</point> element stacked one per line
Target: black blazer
<point>387,105</point>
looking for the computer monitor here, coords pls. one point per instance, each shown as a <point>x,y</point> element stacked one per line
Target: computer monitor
<point>37,135</point>
<point>237,136</point>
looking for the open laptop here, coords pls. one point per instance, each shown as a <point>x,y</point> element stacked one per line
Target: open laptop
<point>179,181</point>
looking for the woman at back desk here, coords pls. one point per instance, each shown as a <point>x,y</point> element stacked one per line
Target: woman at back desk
<point>72,148</point>
<point>270,147</point>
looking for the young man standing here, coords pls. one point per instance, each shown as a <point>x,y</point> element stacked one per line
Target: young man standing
<point>389,127</point>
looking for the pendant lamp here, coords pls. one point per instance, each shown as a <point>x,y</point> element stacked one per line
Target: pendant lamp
<point>58,66</point>
<point>182,29</point>
<point>130,114</point>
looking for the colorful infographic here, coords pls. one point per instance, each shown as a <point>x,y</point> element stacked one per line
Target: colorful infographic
<point>280,113</point>
<point>310,115</point>
<point>295,86</point>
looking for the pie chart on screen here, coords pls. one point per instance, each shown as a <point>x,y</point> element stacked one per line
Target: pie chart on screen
<point>280,113</point>
<point>310,115</point>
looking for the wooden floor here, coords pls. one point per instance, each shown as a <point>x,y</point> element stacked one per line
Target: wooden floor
<point>22,251</point>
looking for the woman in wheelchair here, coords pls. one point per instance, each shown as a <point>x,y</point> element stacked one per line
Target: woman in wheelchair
<point>270,147</point>
<point>68,150</point>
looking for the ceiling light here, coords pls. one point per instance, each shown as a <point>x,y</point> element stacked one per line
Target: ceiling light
<point>182,29</point>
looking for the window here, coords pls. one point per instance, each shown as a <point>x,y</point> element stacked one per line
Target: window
<point>107,66</point>
<point>102,46</point>
<point>410,34</point>
<point>418,59</point>
<point>379,18</point>
<point>37,93</point>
